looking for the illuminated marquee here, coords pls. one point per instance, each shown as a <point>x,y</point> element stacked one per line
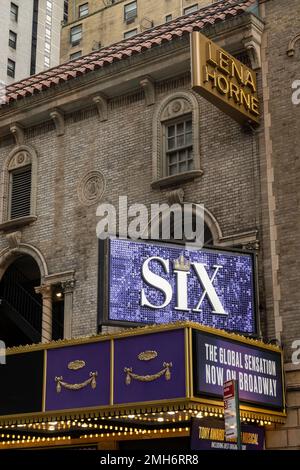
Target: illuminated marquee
<point>148,283</point>
<point>224,80</point>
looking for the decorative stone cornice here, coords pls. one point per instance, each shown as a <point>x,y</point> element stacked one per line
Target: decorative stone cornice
<point>110,80</point>
<point>248,240</point>
<point>101,103</point>
<point>59,278</point>
<point>148,86</point>
<point>18,132</point>
<point>59,121</point>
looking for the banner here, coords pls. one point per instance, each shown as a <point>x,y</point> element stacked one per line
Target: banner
<point>223,80</point>
<point>150,283</point>
<point>209,434</point>
<point>258,370</point>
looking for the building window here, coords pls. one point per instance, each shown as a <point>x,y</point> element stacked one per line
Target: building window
<point>49,6</point>
<point>130,12</point>
<point>20,192</point>
<point>168,18</point>
<point>66,10</point>
<point>176,140</point>
<point>14,12</point>
<point>34,37</point>
<point>83,10</point>
<point>76,55</point>
<point>47,62</point>
<point>11,68</point>
<point>130,34</point>
<point>12,41</point>
<point>19,185</point>
<point>190,9</point>
<point>179,147</point>
<point>76,35</point>
<point>48,20</point>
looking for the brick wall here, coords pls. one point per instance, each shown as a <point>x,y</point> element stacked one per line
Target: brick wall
<point>282,24</point>
<point>121,148</point>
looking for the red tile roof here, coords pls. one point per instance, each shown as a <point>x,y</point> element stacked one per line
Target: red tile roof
<point>196,21</point>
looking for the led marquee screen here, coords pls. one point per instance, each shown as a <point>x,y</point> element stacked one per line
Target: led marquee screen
<point>149,282</point>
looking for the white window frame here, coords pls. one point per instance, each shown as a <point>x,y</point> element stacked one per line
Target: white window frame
<point>80,15</point>
<point>79,33</point>
<point>190,9</point>
<point>131,33</point>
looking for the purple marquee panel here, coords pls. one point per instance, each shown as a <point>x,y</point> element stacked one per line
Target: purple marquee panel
<point>87,366</point>
<point>149,367</point>
<point>258,370</point>
<point>230,274</point>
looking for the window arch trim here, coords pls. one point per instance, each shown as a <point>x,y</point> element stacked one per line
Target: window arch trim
<point>20,157</point>
<point>173,107</point>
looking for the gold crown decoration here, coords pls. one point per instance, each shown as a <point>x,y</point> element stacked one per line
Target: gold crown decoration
<point>76,365</point>
<point>147,355</point>
<point>181,264</point>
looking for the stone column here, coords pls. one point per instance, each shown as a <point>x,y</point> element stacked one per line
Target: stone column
<point>46,293</point>
<point>68,288</point>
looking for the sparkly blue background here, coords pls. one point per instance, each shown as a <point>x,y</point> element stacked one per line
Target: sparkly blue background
<point>234,285</point>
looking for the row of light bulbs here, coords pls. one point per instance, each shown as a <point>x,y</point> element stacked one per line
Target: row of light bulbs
<point>158,417</point>
<point>33,440</point>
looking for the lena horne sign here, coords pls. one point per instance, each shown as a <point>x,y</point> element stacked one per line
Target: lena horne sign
<point>163,283</point>
<point>224,80</point>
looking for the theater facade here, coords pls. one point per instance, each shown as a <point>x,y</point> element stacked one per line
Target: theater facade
<point>125,344</point>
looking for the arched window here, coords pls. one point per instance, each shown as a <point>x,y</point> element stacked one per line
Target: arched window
<point>176,146</point>
<point>19,185</point>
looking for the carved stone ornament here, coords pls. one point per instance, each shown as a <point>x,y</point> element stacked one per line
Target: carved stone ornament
<point>176,108</point>
<point>14,239</point>
<point>102,107</point>
<point>176,196</point>
<point>20,159</point>
<point>292,45</point>
<point>68,286</point>
<point>149,89</point>
<point>18,133</point>
<point>59,121</point>
<point>91,188</point>
<point>252,246</point>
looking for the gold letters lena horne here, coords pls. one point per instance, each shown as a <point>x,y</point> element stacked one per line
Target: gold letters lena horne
<point>223,80</point>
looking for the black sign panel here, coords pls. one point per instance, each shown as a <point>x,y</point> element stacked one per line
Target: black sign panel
<point>21,383</point>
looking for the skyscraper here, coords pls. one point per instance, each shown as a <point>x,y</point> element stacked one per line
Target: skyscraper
<point>29,37</point>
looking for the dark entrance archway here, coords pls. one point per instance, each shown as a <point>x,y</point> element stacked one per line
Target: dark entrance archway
<point>20,306</point>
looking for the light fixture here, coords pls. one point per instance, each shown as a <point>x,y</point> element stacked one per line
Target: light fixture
<point>58,295</point>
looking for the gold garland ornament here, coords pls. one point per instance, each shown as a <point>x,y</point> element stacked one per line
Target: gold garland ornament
<point>60,383</point>
<point>148,378</point>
